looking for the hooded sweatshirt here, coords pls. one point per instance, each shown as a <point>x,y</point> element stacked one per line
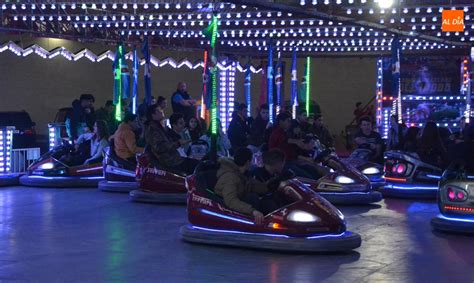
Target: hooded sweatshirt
<point>124,142</point>
<point>233,185</point>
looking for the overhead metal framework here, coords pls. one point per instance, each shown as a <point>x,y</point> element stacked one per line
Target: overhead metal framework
<point>316,27</point>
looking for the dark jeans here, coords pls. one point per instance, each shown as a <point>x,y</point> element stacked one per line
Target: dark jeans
<point>265,204</point>
<point>306,169</point>
<point>188,165</point>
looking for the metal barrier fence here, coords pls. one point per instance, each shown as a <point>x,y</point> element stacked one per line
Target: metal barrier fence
<point>22,158</point>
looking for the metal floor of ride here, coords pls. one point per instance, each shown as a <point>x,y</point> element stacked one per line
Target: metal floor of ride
<point>88,236</point>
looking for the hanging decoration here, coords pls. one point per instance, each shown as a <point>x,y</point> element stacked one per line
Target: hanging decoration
<point>118,82</point>
<point>247,89</point>
<point>6,137</point>
<point>278,84</point>
<point>382,127</point>
<point>205,80</point>
<point>226,95</point>
<point>211,33</point>
<point>135,82</point>
<point>263,86</point>
<point>294,85</point>
<point>270,82</point>
<point>397,103</point>
<point>147,71</point>
<point>308,83</point>
<point>466,86</point>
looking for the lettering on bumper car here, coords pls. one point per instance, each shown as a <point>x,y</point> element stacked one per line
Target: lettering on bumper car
<point>155,171</point>
<point>202,200</point>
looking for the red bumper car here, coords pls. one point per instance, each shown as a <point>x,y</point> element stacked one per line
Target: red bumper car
<point>344,185</point>
<point>158,185</point>
<point>306,223</point>
<point>48,171</point>
<point>119,173</point>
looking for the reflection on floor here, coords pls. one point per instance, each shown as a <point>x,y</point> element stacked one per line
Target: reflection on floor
<point>86,235</point>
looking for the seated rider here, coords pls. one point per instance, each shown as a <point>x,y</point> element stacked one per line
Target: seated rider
<point>242,193</point>
<point>430,146</point>
<point>163,148</point>
<point>272,171</point>
<point>222,143</point>
<point>282,139</point>
<point>124,138</point>
<point>322,132</point>
<point>99,142</point>
<point>177,132</point>
<point>261,128</point>
<point>368,139</point>
<point>463,151</point>
<point>89,146</point>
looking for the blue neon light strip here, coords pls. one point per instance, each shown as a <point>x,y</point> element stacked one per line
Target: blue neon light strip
<point>61,178</point>
<point>343,193</point>
<point>468,220</point>
<point>433,176</point>
<point>270,235</point>
<point>410,187</point>
<point>205,211</point>
<point>328,236</point>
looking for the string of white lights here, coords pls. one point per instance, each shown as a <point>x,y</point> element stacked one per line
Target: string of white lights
<point>86,53</point>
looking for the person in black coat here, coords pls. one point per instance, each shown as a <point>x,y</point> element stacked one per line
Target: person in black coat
<point>82,115</point>
<point>261,128</point>
<point>238,128</point>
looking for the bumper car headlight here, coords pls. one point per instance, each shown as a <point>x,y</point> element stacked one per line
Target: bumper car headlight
<point>302,216</point>
<point>344,180</point>
<point>370,171</point>
<point>46,166</point>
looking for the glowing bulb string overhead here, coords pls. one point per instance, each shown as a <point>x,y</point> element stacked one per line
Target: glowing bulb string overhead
<point>241,22</point>
<point>341,18</point>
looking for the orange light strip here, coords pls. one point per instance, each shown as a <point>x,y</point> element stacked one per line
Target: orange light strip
<point>395,179</point>
<point>457,208</point>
